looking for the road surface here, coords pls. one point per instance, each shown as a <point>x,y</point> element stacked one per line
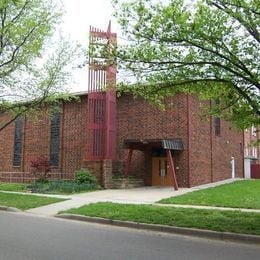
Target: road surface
<point>27,237</point>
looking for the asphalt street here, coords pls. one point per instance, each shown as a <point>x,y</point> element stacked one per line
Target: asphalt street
<point>27,237</point>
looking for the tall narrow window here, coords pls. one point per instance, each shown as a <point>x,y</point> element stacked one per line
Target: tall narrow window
<point>217,126</point>
<point>216,118</point>
<point>18,142</point>
<point>55,139</point>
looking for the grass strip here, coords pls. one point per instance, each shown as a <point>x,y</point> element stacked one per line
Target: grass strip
<point>25,202</point>
<point>239,194</point>
<point>217,220</point>
<point>19,187</point>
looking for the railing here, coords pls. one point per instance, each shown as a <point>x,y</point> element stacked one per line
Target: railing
<point>27,177</point>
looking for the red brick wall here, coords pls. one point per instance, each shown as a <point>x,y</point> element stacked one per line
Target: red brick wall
<point>200,145</point>
<point>36,141</point>
<point>74,132</point>
<point>228,144</point>
<point>6,145</point>
<point>137,119</point>
<point>95,167</point>
<point>210,154</point>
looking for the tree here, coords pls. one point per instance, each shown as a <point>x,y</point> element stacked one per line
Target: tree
<point>207,47</point>
<point>28,77</point>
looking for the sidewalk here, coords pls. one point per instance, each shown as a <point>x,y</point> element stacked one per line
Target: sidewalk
<point>143,195</point>
<point>207,207</point>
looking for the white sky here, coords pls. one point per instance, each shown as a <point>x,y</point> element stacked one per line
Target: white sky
<point>79,15</point>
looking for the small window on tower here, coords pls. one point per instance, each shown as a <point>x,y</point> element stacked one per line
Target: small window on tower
<point>216,119</point>
<point>217,126</point>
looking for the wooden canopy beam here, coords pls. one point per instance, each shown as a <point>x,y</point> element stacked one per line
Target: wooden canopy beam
<point>171,168</point>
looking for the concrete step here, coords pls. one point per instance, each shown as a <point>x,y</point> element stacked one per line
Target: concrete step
<point>123,183</point>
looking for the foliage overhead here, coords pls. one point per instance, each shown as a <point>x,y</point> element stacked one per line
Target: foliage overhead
<point>27,73</point>
<point>207,47</point>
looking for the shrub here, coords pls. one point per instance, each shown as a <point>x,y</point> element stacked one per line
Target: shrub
<point>41,169</point>
<point>85,176</point>
<point>61,186</point>
<point>39,186</point>
<point>71,186</point>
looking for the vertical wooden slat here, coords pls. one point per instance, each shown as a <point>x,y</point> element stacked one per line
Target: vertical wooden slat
<point>101,111</point>
<point>171,168</point>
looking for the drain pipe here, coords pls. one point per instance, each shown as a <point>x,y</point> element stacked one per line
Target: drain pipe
<point>232,167</point>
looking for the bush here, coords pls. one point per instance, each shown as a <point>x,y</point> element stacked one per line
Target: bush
<point>41,169</point>
<point>85,176</point>
<point>39,186</point>
<point>61,186</point>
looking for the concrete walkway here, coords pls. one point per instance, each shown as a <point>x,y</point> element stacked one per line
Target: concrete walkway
<point>143,195</point>
<point>207,207</point>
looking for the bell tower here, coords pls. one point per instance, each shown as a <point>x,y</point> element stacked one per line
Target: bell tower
<point>101,122</point>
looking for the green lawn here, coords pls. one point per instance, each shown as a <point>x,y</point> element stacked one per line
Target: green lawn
<point>25,202</point>
<point>239,194</point>
<point>21,187</point>
<point>226,221</point>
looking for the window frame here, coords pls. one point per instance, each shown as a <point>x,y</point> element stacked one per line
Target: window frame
<point>18,143</point>
<point>54,156</point>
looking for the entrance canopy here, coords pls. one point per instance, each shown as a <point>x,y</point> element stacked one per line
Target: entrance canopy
<point>143,144</point>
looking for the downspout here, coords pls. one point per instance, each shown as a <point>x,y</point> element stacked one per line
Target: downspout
<point>62,141</point>
<point>189,139</point>
<point>211,146</point>
<point>23,151</point>
<point>243,152</point>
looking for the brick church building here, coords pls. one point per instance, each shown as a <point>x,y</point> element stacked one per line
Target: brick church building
<point>204,146</point>
<point>123,137</point>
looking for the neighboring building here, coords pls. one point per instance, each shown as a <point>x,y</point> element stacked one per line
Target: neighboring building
<point>252,152</point>
<point>252,135</point>
<point>201,147</point>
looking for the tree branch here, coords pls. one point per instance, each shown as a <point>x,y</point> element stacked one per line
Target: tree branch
<point>27,108</point>
<point>195,81</point>
<point>253,31</point>
<point>16,50</point>
<point>21,12</point>
<point>3,18</point>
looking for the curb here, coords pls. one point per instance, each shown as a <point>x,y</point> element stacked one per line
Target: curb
<point>226,236</point>
<point>9,209</point>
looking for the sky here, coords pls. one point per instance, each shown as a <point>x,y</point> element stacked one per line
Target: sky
<point>78,16</point>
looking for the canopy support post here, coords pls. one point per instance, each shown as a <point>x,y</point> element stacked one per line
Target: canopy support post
<point>171,168</point>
